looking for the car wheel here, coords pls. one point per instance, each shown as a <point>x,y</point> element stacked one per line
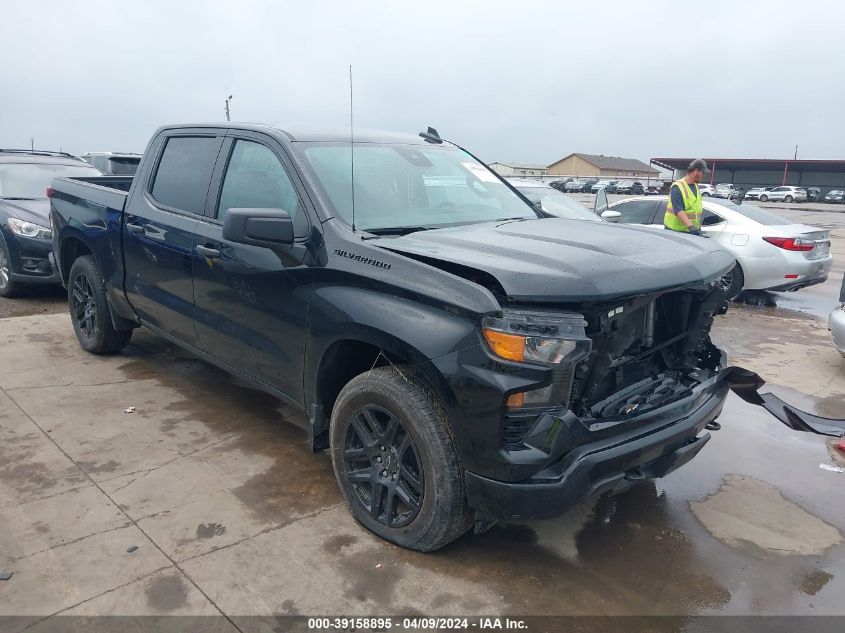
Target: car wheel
<point>764,198</point>
<point>395,461</point>
<point>705,195</point>
<point>788,199</point>
<point>733,281</point>
<point>8,288</point>
<point>89,310</point>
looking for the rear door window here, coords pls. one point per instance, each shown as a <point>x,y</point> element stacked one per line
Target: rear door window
<point>636,211</point>
<point>184,172</point>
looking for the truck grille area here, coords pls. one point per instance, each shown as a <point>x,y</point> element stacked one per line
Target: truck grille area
<point>647,353</point>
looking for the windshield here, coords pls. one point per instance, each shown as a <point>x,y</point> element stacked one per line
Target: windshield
<point>30,180</point>
<point>756,213</point>
<point>411,186</point>
<point>558,204</point>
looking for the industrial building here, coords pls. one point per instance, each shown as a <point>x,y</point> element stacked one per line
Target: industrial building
<point>516,169</point>
<point>756,172</point>
<point>601,166</point>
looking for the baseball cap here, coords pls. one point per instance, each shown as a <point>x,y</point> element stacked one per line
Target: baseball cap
<point>698,163</point>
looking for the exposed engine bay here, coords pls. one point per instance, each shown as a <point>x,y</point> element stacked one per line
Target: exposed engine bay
<point>646,352</point>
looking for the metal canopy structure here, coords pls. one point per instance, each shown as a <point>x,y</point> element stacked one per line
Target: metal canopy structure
<point>825,174</point>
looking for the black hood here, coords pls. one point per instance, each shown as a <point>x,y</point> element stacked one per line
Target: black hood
<point>35,211</point>
<point>557,260</point>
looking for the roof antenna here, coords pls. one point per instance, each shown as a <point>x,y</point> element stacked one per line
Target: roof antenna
<point>352,147</point>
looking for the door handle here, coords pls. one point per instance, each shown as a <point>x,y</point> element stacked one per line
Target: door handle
<point>211,253</point>
<point>137,229</point>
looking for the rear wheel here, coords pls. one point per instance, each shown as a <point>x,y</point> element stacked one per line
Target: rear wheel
<point>764,198</point>
<point>89,309</point>
<point>705,195</point>
<point>788,199</point>
<point>395,461</point>
<point>8,288</point>
<point>733,281</point>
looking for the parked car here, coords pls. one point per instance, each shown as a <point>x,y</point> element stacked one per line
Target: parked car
<point>553,201</point>
<point>835,196</point>
<point>814,194</point>
<point>25,245</point>
<point>784,194</point>
<point>836,322</point>
<point>627,186</point>
<point>576,186</point>
<point>113,163</point>
<point>707,190</point>
<point>723,190</point>
<point>560,185</point>
<point>609,185</point>
<point>463,358</point>
<point>653,189</point>
<point>755,192</point>
<point>772,253</point>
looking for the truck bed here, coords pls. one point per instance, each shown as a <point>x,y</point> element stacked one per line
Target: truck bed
<point>106,191</point>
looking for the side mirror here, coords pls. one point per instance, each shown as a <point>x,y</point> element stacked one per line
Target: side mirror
<point>538,204</point>
<point>270,228</point>
<point>611,216</point>
<point>601,203</point>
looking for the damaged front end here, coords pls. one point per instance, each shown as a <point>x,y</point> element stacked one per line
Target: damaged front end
<point>634,357</point>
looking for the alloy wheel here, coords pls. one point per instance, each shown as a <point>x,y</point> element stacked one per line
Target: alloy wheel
<point>383,466</point>
<point>84,305</point>
<point>5,272</point>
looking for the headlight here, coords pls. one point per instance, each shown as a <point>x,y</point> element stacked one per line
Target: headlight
<point>28,229</point>
<point>558,340</point>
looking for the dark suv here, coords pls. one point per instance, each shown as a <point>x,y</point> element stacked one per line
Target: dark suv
<point>25,246</point>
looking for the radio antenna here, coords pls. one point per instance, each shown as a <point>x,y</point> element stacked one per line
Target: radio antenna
<point>352,148</point>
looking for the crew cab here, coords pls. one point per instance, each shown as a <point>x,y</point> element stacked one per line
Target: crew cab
<point>463,356</point>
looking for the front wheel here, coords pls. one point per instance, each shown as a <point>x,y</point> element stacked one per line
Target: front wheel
<point>89,309</point>
<point>764,198</point>
<point>395,461</point>
<point>8,288</point>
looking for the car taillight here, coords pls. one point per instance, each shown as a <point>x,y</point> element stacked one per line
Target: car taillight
<point>791,243</point>
<point>49,192</point>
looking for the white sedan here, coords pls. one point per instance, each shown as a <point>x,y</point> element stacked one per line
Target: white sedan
<point>772,253</point>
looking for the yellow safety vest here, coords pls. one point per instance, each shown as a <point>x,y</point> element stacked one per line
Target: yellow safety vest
<point>692,207</point>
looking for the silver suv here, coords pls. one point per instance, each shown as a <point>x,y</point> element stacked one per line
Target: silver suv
<point>784,194</point>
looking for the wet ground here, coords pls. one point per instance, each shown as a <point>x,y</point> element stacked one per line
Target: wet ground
<point>151,483</point>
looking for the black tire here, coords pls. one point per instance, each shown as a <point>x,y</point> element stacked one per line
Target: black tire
<point>8,288</point>
<point>89,309</point>
<point>764,198</point>
<point>705,195</point>
<point>733,282</point>
<point>788,199</point>
<point>405,483</point>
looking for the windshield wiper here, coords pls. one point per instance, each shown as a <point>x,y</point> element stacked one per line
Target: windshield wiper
<point>399,230</point>
<point>19,198</point>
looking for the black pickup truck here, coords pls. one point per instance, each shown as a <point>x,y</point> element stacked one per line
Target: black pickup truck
<point>463,357</point>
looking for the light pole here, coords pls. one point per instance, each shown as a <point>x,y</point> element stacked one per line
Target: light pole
<point>228,99</point>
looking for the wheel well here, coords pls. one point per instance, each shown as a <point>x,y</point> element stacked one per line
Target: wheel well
<point>72,249</point>
<point>342,362</point>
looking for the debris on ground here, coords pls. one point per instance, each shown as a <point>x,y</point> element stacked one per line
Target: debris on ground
<point>378,566</point>
<point>5,575</point>
<point>833,469</point>
<point>132,549</point>
<point>129,410</point>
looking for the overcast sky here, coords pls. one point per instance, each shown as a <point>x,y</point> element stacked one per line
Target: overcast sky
<point>511,81</point>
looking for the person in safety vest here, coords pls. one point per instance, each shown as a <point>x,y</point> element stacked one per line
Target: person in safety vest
<point>683,213</point>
